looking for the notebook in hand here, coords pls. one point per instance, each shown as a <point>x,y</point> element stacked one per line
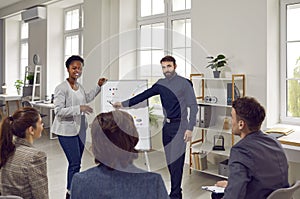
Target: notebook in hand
<point>213,189</point>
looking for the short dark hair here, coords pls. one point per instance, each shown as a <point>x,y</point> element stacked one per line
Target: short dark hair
<point>74,58</point>
<point>168,58</point>
<point>249,110</point>
<point>114,137</point>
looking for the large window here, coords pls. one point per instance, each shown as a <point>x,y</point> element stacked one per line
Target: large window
<point>290,61</point>
<point>23,48</point>
<point>73,31</point>
<point>165,28</point>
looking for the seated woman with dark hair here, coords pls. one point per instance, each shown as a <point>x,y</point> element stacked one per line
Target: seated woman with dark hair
<point>114,137</point>
<point>23,167</point>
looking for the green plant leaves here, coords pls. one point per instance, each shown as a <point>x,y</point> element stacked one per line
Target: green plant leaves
<point>18,84</point>
<point>218,62</point>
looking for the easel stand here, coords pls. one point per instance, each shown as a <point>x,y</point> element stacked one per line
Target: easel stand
<point>147,160</point>
<point>147,163</point>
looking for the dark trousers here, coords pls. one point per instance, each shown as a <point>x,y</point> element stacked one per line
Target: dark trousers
<point>174,146</point>
<point>217,195</point>
<point>73,147</point>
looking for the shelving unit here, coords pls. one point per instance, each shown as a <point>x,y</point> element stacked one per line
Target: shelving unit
<point>219,89</point>
<point>33,91</point>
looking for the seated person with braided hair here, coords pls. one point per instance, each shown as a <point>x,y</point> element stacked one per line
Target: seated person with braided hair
<point>114,137</point>
<point>23,167</point>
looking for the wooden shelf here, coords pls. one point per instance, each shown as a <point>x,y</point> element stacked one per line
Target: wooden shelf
<point>207,147</point>
<point>212,169</point>
<point>216,87</point>
<point>213,104</point>
<point>218,79</point>
<point>216,129</point>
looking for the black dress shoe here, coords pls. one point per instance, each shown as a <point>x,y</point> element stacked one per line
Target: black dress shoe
<point>68,196</point>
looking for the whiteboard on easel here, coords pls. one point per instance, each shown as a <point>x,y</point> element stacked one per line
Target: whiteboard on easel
<point>120,90</point>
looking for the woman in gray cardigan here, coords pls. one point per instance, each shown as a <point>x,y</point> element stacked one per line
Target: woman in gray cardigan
<point>114,137</point>
<point>70,124</point>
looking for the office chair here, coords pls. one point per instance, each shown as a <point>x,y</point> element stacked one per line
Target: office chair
<point>286,193</point>
<point>1,112</point>
<point>10,197</point>
<point>26,103</point>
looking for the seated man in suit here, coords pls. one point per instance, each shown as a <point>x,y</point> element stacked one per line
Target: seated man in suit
<point>114,137</point>
<point>257,163</point>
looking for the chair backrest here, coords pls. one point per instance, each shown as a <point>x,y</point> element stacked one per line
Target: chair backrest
<point>26,104</point>
<point>1,112</point>
<point>10,197</point>
<point>286,193</point>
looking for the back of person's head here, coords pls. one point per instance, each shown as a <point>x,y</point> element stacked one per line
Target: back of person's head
<point>114,137</point>
<point>168,58</point>
<point>74,58</point>
<point>15,125</point>
<point>249,110</point>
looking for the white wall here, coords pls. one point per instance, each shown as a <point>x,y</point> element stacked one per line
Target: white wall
<point>1,53</point>
<point>273,66</point>
<point>105,48</point>
<point>95,61</point>
<point>247,33</point>
<point>21,5</point>
<point>12,42</point>
<point>128,39</point>
<point>37,44</point>
<point>55,45</point>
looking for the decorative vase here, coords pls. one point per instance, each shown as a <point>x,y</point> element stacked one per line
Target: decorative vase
<point>19,91</point>
<point>216,74</point>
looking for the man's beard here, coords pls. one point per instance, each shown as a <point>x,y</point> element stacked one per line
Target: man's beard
<point>169,74</point>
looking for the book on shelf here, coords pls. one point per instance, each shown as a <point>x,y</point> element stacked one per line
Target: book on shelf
<point>199,160</point>
<point>196,161</point>
<point>280,130</point>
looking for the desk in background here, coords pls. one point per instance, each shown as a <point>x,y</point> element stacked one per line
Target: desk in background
<point>291,145</point>
<point>10,98</point>
<point>291,142</point>
<point>50,107</point>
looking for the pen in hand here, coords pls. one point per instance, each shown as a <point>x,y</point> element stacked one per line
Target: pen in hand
<point>110,102</point>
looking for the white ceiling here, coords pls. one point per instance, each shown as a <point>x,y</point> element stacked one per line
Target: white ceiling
<point>4,3</point>
<point>8,9</point>
<point>58,3</point>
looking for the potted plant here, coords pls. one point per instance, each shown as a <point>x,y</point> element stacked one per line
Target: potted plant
<point>18,84</point>
<point>153,119</point>
<point>30,78</point>
<point>215,63</point>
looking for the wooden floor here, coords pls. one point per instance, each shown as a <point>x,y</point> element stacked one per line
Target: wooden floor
<point>57,166</point>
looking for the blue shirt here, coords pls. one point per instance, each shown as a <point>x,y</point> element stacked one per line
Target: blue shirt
<point>176,94</point>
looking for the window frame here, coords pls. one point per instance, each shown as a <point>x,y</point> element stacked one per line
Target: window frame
<point>166,18</point>
<point>284,118</point>
<point>78,31</point>
<point>22,42</point>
